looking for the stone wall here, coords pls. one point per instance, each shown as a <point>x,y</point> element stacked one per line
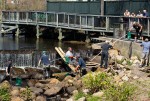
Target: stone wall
<point>128,48</point>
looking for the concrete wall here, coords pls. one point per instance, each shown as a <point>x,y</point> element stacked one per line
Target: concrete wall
<point>128,48</point>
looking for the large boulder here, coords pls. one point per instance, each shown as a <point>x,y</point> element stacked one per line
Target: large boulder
<point>16,99</point>
<point>40,98</point>
<point>71,89</point>
<point>15,93</point>
<point>31,82</point>
<point>37,91</point>
<point>39,85</point>
<point>54,89</point>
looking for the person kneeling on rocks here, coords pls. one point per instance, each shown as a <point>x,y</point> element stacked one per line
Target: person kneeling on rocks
<point>80,64</point>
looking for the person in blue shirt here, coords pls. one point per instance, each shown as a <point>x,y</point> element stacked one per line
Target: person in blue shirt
<point>145,52</point>
<point>80,64</point>
<point>44,60</point>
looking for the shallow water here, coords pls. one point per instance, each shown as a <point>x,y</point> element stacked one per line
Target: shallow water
<point>22,43</point>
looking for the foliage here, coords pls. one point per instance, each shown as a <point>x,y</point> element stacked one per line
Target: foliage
<point>119,93</point>
<point>79,95</point>
<point>120,61</point>
<point>4,94</point>
<point>26,94</point>
<point>93,98</point>
<point>96,81</point>
<point>129,63</point>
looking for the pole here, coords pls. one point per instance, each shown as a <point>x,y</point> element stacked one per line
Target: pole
<point>112,45</point>
<point>102,7</point>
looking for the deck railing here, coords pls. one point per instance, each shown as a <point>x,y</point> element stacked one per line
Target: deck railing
<point>74,21</point>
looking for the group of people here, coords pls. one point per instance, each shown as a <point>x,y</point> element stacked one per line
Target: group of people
<point>75,60</point>
<point>139,14</point>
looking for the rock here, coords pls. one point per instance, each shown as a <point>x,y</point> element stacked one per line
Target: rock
<point>98,94</point>
<point>78,84</point>
<point>53,90</point>
<point>22,89</point>
<point>81,99</point>
<point>135,77</point>
<point>37,91</point>
<point>85,91</point>
<point>44,81</point>
<point>75,92</point>
<point>54,81</point>
<point>120,58</point>
<point>31,82</point>
<point>39,85</point>
<point>15,93</point>
<point>5,84</point>
<point>120,66</point>
<point>136,62</point>
<point>16,99</point>
<point>117,78</point>
<point>113,52</point>
<point>70,81</point>
<point>40,98</point>
<point>134,58</point>
<point>33,95</point>
<point>121,74</point>
<point>71,89</point>
<point>68,78</point>
<point>124,62</point>
<point>38,76</point>
<point>70,99</point>
<point>128,73</point>
<point>125,78</point>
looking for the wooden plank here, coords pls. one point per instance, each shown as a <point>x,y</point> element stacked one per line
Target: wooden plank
<point>60,52</point>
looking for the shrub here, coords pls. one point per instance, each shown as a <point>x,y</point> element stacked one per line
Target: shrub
<point>26,94</point>
<point>96,81</point>
<point>119,93</point>
<point>4,94</point>
<point>93,98</point>
<point>129,63</point>
<point>79,95</point>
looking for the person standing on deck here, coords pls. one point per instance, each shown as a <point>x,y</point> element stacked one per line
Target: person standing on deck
<point>104,54</point>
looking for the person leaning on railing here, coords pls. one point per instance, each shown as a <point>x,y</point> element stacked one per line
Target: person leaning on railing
<point>138,27</point>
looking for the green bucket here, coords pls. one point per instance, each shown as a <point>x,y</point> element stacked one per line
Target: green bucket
<point>129,35</point>
<point>18,81</point>
<point>67,60</point>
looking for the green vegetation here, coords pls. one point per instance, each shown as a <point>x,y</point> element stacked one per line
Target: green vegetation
<point>119,93</point>
<point>5,92</point>
<point>96,81</point>
<point>120,61</point>
<point>26,94</point>
<point>93,98</point>
<point>129,63</point>
<point>79,95</point>
<point>100,81</point>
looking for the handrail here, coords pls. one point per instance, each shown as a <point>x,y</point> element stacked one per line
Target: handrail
<point>72,20</point>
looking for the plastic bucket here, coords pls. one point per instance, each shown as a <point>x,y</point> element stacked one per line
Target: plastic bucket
<point>18,81</point>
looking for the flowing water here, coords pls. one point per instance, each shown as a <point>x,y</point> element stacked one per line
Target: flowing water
<point>27,51</point>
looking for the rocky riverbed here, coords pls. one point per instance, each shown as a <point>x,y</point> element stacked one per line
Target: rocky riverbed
<point>65,87</point>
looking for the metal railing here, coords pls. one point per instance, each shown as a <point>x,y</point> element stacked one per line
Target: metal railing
<point>74,21</point>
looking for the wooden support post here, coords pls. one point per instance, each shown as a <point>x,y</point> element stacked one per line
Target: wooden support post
<point>60,37</point>
<point>17,32</point>
<point>37,31</point>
